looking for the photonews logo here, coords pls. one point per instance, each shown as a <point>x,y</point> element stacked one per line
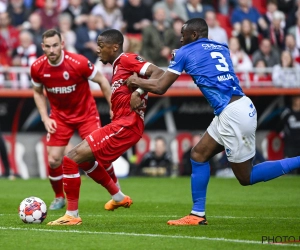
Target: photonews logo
<point>279,239</point>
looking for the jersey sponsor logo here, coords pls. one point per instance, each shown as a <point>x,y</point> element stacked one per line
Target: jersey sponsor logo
<point>90,65</point>
<point>62,90</point>
<point>116,85</point>
<point>208,46</point>
<point>66,75</point>
<point>225,77</point>
<point>140,59</point>
<point>47,75</point>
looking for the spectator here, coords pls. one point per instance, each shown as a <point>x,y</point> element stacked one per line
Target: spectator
<point>110,12</point>
<point>159,40</point>
<point>186,168</point>
<point>290,45</point>
<point>195,9</point>
<point>65,29</point>
<point>173,9</point>
<point>215,32</point>
<point>157,162</point>
<point>86,37</point>
<point>136,17</point>
<point>284,74</point>
<point>271,8</point>
<point>78,11</point>
<point>240,60</point>
<point>261,77</point>
<point>247,38</point>
<point>224,6</point>
<point>177,25</point>
<point>49,15</point>
<point>245,11</point>
<point>23,56</point>
<point>18,13</point>
<point>9,39</point>
<point>290,126</point>
<point>295,31</point>
<point>276,32</point>
<point>267,53</point>
<point>292,14</point>
<point>36,29</point>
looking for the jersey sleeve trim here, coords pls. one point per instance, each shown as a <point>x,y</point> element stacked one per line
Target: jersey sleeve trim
<point>93,73</point>
<point>174,71</point>
<point>144,69</point>
<point>36,84</point>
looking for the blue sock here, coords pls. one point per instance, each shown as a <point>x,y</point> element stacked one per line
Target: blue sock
<point>199,182</point>
<point>269,170</point>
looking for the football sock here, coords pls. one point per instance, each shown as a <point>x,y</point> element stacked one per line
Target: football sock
<point>110,170</point>
<point>99,175</point>
<point>56,180</point>
<point>72,182</point>
<point>73,213</point>
<point>199,181</point>
<point>269,170</point>
<point>118,196</point>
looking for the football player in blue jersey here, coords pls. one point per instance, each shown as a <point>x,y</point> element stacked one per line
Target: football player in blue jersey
<point>234,125</point>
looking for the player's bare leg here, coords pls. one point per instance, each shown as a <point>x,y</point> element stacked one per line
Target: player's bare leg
<point>206,148</point>
<point>55,155</point>
<point>71,178</point>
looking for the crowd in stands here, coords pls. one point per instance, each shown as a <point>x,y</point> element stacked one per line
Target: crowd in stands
<point>260,33</point>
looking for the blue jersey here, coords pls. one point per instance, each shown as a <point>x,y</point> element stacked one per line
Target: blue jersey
<point>209,64</point>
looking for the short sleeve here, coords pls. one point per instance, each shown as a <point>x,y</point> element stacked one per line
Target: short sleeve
<point>178,62</point>
<point>135,63</point>
<point>87,68</point>
<point>34,76</point>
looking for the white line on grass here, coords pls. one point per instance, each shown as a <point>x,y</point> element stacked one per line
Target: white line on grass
<point>175,216</point>
<point>142,235</point>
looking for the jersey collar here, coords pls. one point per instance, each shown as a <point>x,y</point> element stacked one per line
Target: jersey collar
<point>117,59</point>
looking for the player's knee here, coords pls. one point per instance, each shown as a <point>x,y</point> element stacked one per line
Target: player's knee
<point>244,181</point>
<point>196,156</point>
<point>54,162</point>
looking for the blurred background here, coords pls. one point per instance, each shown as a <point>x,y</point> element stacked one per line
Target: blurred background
<point>264,41</point>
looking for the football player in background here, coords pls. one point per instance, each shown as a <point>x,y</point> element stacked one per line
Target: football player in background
<point>64,76</point>
<point>108,143</point>
<point>232,129</point>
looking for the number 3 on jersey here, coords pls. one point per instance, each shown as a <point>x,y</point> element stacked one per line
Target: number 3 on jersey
<point>223,66</point>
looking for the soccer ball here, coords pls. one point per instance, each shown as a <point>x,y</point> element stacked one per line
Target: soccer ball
<point>32,210</point>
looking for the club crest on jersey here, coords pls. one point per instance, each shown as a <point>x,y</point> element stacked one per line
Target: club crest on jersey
<point>90,65</point>
<point>66,75</point>
<point>139,59</point>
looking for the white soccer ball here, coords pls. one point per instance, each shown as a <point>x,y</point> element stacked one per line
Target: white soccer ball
<point>33,210</point>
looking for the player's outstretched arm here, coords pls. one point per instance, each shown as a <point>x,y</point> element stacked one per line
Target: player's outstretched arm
<point>41,104</point>
<point>157,86</point>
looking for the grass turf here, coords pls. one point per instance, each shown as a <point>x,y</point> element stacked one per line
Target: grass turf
<point>238,216</point>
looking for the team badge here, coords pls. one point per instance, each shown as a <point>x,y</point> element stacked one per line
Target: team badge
<point>228,151</point>
<point>139,59</point>
<point>90,65</point>
<point>173,54</point>
<point>48,137</point>
<point>66,75</point>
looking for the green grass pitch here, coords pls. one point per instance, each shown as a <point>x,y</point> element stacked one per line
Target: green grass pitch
<point>238,216</point>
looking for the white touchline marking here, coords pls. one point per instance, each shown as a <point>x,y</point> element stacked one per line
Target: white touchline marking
<point>173,216</point>
<point>142,235</point>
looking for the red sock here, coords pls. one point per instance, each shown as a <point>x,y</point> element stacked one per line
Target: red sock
<point>99,175</point>
<point>110,170</point>
<point>56,180</point>
<point>72,183</point>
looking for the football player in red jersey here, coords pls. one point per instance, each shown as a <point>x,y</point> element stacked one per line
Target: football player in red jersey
<point>106,144</point>
<point>65,76</point>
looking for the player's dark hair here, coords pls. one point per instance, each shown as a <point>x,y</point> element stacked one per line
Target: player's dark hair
<point>51,33</point>
<point>113,36</point>
<point>199,25</point>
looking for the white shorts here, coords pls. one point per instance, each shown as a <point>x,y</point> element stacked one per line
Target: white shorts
<point>235,129</point>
